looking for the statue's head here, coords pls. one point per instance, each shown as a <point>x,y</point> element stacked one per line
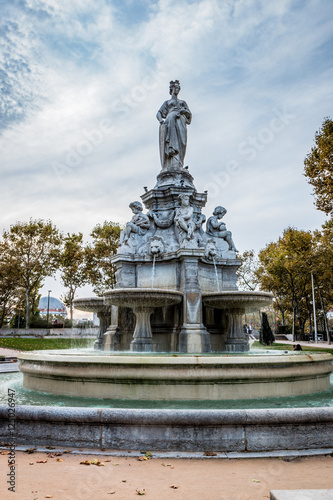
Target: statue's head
<point>174,85</point>
<point>136,205</point>
<point>220,211</point>
<point>184,198</point>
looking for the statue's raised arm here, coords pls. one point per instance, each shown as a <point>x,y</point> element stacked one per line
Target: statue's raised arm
<point>174,116</point>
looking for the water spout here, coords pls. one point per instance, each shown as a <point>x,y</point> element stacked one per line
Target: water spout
<point>216,274</point>
<point>153,271</point>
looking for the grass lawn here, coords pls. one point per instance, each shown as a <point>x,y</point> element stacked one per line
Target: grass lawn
<point>289,347</point>
<point>41,344</point>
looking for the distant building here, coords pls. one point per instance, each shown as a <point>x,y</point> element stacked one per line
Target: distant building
<point>56,307</point>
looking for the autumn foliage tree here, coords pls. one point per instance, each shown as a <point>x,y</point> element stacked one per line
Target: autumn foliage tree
<point>73,268</point>
<point>319,167</point>
<point>285,269</point>
<point>100,270</point>
<point>31,250</point>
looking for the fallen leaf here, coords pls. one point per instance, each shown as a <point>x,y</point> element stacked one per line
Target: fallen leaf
<point>123,480</point>
<point>115,464</point>
<point>67,451</point>
<point>210,454</point>
<point>57,454</point>
<point>4,452</point>
<point>141,492</point>
<point>30,450</point>
<point>41,461</point>
<point>172,467</point>
<point>173,486</point>
<point>107,460</point>
<point>86,462</point>
<point>50,447</point>
<point>59,460</point>
<point>111,492</point>
<point>256,481</point>
<point>49,496</point>
<point>31,463</point>
<point>96,461</point>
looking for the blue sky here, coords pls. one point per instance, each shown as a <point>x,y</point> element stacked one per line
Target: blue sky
<point>82,82</point>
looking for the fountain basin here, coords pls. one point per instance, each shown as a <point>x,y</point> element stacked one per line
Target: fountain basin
<point>153,377</point>
<point>235,304</point>
<point>246,301</point>
<point>142,301</point>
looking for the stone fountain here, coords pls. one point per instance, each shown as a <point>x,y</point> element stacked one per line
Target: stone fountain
<point>170,269</point>
<point>175,293</point>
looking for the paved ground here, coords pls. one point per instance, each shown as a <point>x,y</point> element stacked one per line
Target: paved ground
<point>63,477</point>
<point>322,345</point>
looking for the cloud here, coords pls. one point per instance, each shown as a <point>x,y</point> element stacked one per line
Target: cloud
<point>83,80</point>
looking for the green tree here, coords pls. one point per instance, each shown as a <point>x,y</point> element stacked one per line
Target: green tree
<point>319,167</point>
<point>247,277</point>
<point>32,250</point>
<point>266,334</point>
<point>100,270</point>
<point>73,268</point>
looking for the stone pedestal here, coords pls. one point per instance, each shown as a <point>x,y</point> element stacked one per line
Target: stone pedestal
<point>111,337</point>
<point>142,337</point>
<point>236,340</point>
<point>193,336</point>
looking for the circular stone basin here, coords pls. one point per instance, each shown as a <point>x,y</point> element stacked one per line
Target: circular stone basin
<point>91,304</point>
<point>143,301</point>
<point>143,297</point>
<point>176,377</point>
<point>249,301</point>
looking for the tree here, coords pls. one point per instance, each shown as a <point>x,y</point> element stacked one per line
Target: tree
<point>73,268</point>
<point>8,287</point>
<point>32,250</point>
<point>266,334</point>
<point>100,270</point>
<point>323,270</point>
<point>247,277</point>
<point>319,167</point>
<point>285,270</point>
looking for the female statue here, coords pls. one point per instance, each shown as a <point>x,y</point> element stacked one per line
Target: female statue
<point>173,116</point>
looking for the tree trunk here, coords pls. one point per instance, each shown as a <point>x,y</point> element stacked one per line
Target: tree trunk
<point>27,307</point>
<point>3,314</point>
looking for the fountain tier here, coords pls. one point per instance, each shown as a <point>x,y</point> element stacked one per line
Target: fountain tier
<point>152,377</point>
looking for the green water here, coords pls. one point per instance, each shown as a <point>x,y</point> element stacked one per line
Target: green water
<point>27,397</point>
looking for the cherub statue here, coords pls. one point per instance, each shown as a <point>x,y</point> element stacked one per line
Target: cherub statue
<point>217,228</point>
<point>184,217</point>
<point>139,222</point>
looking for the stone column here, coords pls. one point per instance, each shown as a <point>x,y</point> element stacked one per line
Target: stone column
<point>142,336</point>
<point>193,336</point>
<point>237,340</point>
<point>104,317</point>
<point>111,337</point>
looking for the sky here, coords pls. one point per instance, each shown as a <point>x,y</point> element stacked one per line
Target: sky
<point>81,83</point>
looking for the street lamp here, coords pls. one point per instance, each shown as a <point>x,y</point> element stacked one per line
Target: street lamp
<point>314,310</point>
<point>48,307</point>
